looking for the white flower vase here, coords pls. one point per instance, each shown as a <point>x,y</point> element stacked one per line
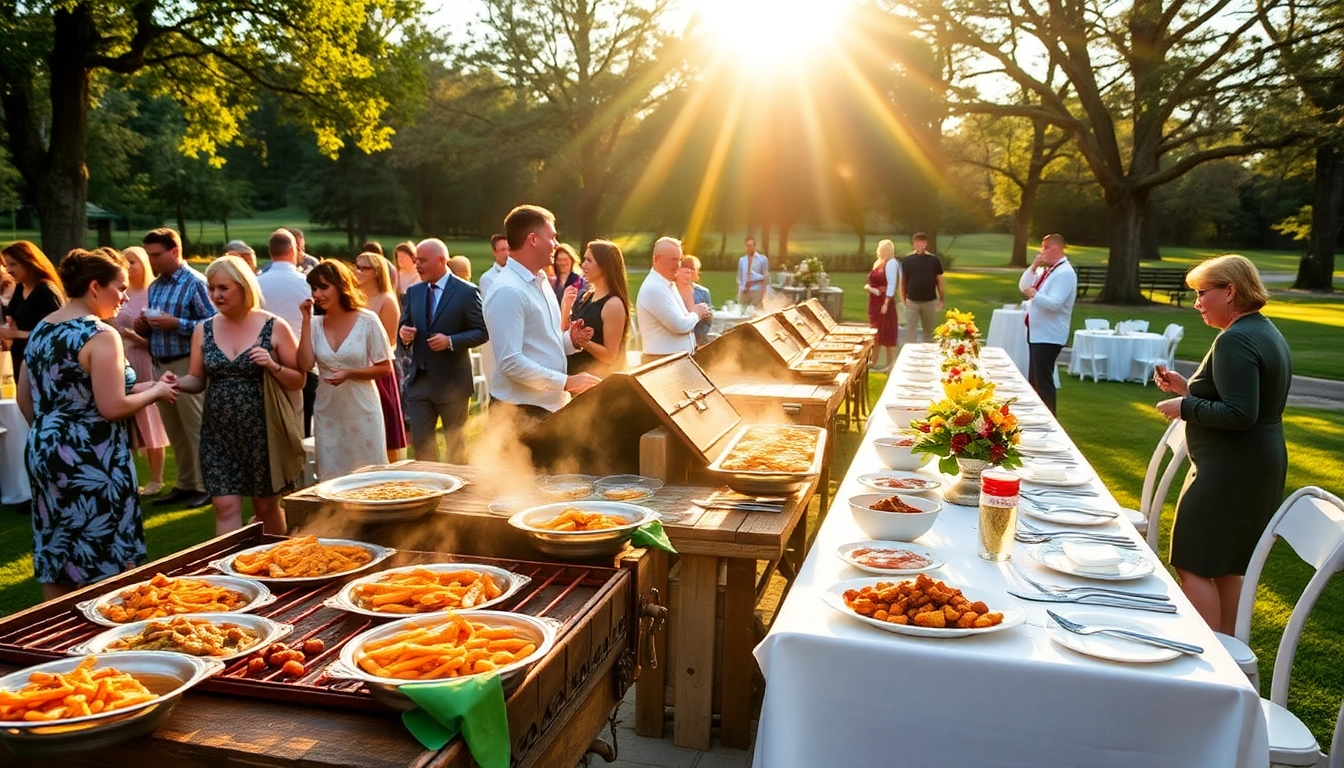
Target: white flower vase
<point>966,490</point>
<point>823,280</point>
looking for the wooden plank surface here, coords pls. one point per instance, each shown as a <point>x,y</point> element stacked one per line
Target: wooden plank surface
<point>738,665</point>
<point>653,676</point>
<point>693,634</point>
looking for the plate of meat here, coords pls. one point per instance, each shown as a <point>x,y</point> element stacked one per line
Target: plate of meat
<point>888,558</point>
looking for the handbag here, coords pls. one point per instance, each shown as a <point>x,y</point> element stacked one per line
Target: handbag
<point>284,437</point>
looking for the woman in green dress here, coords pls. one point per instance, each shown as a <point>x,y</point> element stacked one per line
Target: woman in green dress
<point>1233,412</point>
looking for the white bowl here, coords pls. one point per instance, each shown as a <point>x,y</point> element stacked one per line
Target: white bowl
<point>897,456</point>
<point>902,413</point>
<point>894,526</point>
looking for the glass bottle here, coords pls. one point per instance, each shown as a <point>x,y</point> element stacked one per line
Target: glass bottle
<point>998,514</point>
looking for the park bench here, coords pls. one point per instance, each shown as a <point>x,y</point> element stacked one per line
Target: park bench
<point>1152,280</point>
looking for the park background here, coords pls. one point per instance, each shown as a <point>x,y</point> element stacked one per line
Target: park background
<point>382,120</point>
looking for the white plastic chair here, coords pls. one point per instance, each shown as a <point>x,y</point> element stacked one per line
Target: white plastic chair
<point>1097,324</point>
<point>1173,335</point>
<point>1311,520</point>
<point>1155,489</point>
<point>1132,326</point>
<point>479,385</point>
<point>1082,352</point>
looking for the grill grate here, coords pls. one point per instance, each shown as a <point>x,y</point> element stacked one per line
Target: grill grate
<point>561,592</point>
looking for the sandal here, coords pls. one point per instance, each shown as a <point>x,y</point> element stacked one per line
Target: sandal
<point>153,489</point>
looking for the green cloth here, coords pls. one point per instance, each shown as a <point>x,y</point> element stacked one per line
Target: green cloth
<point>652,535</point>
<point>473,707</point>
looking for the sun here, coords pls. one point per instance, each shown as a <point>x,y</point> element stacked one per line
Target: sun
<point>762,35</point>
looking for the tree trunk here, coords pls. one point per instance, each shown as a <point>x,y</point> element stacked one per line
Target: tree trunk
<point>1125,209</point>
<point>784,241</point>
<point>1022,224</point>
<point>1148,250</point>
<point>61,191</point>
<point>182,226</point>
<point>1315,272</point>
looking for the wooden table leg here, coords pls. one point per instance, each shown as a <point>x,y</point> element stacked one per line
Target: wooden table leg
<point>738,665</point>
<point>653,680</point>
<point>693,634</point>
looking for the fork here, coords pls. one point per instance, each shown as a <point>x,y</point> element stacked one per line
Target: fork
<point>1066,591</point>
<point>1037,530</point>
<point>1040,505</point>
<point>1160,642</point>
<point>1026,537</point>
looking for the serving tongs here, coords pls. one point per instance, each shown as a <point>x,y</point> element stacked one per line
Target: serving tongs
<point>739,502</point>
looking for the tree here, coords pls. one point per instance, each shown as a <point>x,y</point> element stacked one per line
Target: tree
<point>595,66</point>
<point>332,60</point>
<point>1313,35</point>
<point>1159,87</point>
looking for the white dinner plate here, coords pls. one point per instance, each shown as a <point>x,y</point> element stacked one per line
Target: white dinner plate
<point>1070,477</point>
<point>1041,445</point>
<point>1065,514</point>
<point>1109,646</point>
<point>846,552</point>
<point>1051,555</point>
<point>909,482</point>
<point>919,375</point>
<point>1000,602</point>
<point>1030,418</point>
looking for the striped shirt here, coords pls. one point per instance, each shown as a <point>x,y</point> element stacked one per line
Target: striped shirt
<point>182,294</point>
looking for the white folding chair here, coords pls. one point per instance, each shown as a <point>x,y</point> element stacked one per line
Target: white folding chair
<point>1155,489</point>
<point>1311,520</point>
<point>1173,335</point>
<point>1084,354</point>
<point>1136,326</point>
<point>1097,324</point>
<point>480,386</point>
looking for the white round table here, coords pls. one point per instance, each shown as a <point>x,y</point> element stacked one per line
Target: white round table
<point>723,320</point>
<point>1008,330</point>
<point>1122,352</point>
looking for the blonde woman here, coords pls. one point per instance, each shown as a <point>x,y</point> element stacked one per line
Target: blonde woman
<point>374,276</point>
<point>149,433</point>
<point>230,353</point>
<point>883,284</point>
<point>406,275</point>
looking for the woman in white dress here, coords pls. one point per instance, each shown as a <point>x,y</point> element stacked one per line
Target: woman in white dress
<point>352,352</point>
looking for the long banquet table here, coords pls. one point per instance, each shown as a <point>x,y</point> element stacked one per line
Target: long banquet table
<point>841,693</point>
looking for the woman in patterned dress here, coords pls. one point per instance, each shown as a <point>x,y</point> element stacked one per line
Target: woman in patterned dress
<point>86,511</point>
<point>230,353</point>
<point>374,276</point>
<point>351,350</point>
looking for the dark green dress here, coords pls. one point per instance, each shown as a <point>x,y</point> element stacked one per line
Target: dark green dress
<point>1238,460</point>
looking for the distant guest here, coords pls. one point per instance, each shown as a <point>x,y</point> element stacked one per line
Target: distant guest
<point>699,295</point>
<point>566,276</point>
<point>1233,412</point>
<point>372,246</point>
<point>603,308</point>
<point>460,266</point>
<point>38,294</point>
<point>243,251</point>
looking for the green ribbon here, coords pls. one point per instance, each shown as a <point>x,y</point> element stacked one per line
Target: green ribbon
<point>652,536</point>
<point>472,707</point>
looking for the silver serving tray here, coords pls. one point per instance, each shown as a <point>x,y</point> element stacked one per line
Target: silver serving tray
<point>581,544</point>
<point>386,689</point>
<point>388,510</point>
<point>267,631</point>
<point>174,674</point>
<point>766,481</point>
<point>509,582</point>
<point>257,594</point>
<point>380,553</point>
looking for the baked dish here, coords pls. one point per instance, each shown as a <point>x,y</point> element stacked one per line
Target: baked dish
<point>773,449</point>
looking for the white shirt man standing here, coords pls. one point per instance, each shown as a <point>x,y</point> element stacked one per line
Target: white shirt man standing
<point>283,289</point>
<point>753,275</point>
<point>499,249</point>
<point>530,380</point>
<point>1051,285</point>
<point>665,307</point>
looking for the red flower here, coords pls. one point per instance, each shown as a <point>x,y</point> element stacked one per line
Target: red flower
<point>1004,409</point>
<point>960,441</point>
<point>924,427</point>
<point>996,452</point>
<point>963,418</point>
<point>987,430</point>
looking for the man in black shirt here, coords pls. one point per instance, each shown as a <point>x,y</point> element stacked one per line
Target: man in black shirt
<point>922,288</point>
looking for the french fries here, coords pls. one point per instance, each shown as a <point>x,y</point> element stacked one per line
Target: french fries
<point>423,590</point>
<point>162,596</point>
<point>301,557</point>
<point>455,648</point>
<point>574,519</point>
<point>80,692</point>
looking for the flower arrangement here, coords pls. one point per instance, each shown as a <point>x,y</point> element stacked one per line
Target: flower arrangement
<point>969,423</point>
<point>962,363</point>
<point>959,334</point>
<point>808,272</point>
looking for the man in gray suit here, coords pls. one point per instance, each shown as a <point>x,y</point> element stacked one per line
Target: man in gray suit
<point>440,321</point>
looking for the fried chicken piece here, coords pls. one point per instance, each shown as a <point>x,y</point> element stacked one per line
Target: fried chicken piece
<point>931,619</point>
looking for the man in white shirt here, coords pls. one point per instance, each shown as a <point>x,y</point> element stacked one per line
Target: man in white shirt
<point>1051,285</point>
<point>530,351</point>
<point>499,249</point>
<point>753,274</point>
<point>665,307</point>
<point>283,289</point>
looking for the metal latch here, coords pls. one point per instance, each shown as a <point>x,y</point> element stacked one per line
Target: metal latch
<point>652,610</point>
<point>781,336</point>
<point>694,397</point>
<point>792,409</point>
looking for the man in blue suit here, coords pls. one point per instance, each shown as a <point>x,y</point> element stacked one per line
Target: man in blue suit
<point>440,321</point>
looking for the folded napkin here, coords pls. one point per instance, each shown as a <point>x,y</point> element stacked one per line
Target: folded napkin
<point>652,535</point>
<point>473,707</point>
<point>1093,558</point>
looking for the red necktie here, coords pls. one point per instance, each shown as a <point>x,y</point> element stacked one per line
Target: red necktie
<point>1044,274</point>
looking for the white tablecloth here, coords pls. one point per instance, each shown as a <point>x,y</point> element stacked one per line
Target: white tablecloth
<point>14,487</point>
<point>841,693</point>
<point>724,320</point>
<point>1122,351</point>
<point>1008,331</point>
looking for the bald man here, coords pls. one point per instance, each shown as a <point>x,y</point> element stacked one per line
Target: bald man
<point>666,308</point>
<point>440,321</point>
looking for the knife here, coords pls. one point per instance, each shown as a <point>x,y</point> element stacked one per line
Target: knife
<point>1101,600</point>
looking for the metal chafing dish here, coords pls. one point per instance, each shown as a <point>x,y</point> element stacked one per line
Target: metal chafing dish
<point>769,480</point>
<point>266,631</point>
<point>435,485</point>
<point>570,545</point>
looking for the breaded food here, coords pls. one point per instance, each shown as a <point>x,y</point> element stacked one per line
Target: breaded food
<point>924,602</point>
<point>195,637</point>
<point>162,596</point>
<point>301,557</point>
<point>773,449</point>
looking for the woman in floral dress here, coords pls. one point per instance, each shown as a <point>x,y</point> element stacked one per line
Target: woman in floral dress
<point>230,353</point>
<point>74,391</point>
